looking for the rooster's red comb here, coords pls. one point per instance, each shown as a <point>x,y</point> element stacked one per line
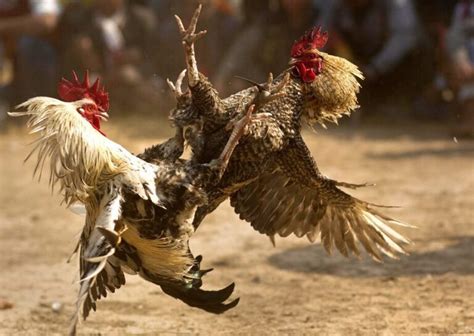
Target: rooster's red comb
<point>312,39</point>
<point>75,90</point>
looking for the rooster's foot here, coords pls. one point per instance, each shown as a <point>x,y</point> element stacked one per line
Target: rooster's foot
<point>189,35</point>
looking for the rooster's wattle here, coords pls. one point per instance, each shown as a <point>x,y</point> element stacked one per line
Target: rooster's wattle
<point>272,179</point>
<point>138,213</point>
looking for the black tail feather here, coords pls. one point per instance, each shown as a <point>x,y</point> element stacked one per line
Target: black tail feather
<point>210,301</point>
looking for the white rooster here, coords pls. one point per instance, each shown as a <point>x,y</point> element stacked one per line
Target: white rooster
<point>138,214</point>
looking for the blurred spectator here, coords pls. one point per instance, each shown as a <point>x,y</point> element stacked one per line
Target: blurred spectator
<point>25,29</point>
<point>385,39</point>
<point>113,39</point>
<point>3,81</point>
<point>460,45</point>
<point>435,13</point>
<point>264,44</point>
<point>435,103</point>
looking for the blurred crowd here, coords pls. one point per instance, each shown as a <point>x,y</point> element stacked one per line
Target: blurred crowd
<point>417,55</point>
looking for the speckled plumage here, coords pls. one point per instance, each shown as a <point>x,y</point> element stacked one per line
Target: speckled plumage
<point>139,210</point>
<point>272,179</point>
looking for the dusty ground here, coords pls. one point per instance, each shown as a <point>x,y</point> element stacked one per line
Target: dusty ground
<point>292,289</point>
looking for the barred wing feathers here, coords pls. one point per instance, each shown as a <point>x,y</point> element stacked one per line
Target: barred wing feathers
<point>277,205</point>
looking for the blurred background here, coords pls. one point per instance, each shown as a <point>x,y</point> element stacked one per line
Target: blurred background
<point>411,137</point>
<point>417,55</point>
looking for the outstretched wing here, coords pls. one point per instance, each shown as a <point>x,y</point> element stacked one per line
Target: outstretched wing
<point>276,205</point>
<point>112,243</point>
<point>296,198</point>
<point>99,269</point>
<point>333,93</point>
<point>100,272</point>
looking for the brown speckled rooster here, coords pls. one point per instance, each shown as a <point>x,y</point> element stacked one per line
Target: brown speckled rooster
<point>272,179</point>
<point>139,210</point>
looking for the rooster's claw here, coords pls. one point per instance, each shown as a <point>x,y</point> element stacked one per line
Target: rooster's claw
<point>189,35</point>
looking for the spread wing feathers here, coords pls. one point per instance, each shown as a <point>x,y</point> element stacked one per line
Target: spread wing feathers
<point>81,159</point>
<point>98,274</point>
<point>275,204</point>
<point>99,270</point>
<point>333,93</point>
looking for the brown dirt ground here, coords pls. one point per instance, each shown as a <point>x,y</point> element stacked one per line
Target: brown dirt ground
<point>292,289</point>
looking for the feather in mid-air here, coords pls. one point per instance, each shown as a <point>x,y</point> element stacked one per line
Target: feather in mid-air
<point>139,210</point>
<point>272,179</point>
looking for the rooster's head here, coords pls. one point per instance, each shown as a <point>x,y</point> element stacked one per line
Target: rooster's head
<point>305,58</point>
<point>97,104</point>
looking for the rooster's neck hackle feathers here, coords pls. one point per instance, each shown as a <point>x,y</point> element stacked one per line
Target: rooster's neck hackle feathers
<point>81,159</point>
<point>334,91</point>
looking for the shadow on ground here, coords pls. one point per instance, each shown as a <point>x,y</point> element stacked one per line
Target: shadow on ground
<point>456,255</point>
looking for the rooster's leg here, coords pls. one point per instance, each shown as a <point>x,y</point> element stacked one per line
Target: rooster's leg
<point>239,128</point>
<point>238,131</point>
<point>189,36</point>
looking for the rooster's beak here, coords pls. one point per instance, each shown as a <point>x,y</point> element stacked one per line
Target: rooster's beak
<point>313,51</point>
<point>104,116</point>
<point>293,61</point>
